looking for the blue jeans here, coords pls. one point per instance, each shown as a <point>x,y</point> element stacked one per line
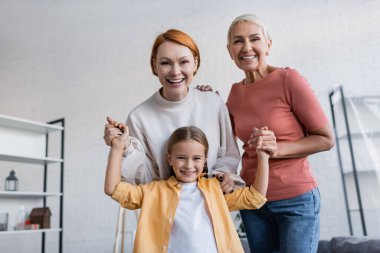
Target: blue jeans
<point>285,226</point>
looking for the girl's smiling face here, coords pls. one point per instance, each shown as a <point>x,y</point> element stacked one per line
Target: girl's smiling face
<point>175,66</point>
<point>188,159</point>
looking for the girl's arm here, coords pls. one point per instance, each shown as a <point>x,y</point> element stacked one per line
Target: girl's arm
<point>113,172</point>
<point>262,174</point>
<point>252,197</point>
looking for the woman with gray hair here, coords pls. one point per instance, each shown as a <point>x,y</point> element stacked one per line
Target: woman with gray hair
<point>281,100</point>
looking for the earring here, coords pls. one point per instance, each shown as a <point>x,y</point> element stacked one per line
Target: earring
<point>266,53</point>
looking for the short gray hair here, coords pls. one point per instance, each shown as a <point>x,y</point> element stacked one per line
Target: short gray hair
<point>252,18</point>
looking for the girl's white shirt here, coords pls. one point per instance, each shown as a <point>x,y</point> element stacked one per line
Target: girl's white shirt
<point>192,230</point>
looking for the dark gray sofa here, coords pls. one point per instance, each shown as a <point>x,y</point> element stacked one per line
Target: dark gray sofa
<point>341,244</point>
<point>351,244</point>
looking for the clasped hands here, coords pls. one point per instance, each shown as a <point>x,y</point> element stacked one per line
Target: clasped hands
<point>114,129</point>
<point>263,139</point>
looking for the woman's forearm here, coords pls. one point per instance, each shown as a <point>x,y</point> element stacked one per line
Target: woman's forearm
<point>317,141</point>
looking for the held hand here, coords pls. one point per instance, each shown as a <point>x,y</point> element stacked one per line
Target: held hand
<point>205,88</point>
<point>227,183</point>
<point>261,154</point>
<point>120,140</point>
<point>111,130</point>
<point>264,139</point>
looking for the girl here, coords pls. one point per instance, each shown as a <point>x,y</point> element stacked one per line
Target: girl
<point>188,211</point>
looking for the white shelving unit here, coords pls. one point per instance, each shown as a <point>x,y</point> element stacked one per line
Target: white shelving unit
<point>8,194</point>
<point>357,131</point>
<point>28,125</point>
<point>28,159</point>
<point>52,230</point>
<point>32,147</point>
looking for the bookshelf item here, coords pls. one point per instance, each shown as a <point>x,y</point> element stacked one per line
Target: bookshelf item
<point>11,182</point>
<point>40,216</point>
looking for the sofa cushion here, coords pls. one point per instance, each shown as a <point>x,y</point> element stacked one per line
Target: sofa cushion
<point>355,244</point>
<point>324,246</point>
<point>350,244</point>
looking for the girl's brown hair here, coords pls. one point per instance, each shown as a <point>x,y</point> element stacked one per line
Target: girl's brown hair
<point>178,37</point>
<point>189,133</point>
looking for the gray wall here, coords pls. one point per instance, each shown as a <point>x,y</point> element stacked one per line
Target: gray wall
<point>84,60</point>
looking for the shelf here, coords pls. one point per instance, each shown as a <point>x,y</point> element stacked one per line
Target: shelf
<point>26,141</point>
<point>13,194</point>
<point>28,125</point>
<point>27,159</point>
<point>31,231</point>
<point>360,135</point>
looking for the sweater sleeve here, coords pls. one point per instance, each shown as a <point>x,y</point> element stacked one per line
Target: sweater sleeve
<point>228,155</point>
<point>244,198</point>
<point>304,103</point>
<point>136,165</point>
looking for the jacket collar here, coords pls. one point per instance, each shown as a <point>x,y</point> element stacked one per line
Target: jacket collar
<point>172,181</point>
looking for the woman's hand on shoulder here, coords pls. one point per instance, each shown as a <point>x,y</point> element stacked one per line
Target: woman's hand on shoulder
<point>205,88</point>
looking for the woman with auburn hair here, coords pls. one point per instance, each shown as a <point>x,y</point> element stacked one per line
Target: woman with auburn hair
<point>175,60</point>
